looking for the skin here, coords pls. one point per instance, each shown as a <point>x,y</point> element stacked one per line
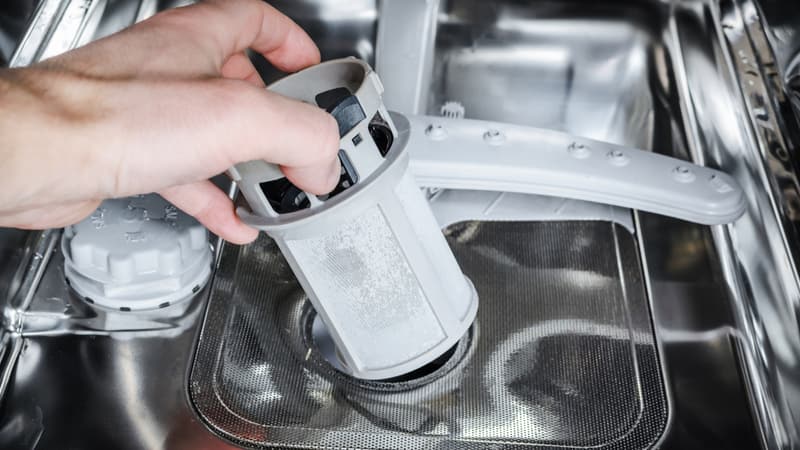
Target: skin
<point>160,107</point>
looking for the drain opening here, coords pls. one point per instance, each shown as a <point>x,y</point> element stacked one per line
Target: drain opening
<point>427,369</point>
<point>318,339</point>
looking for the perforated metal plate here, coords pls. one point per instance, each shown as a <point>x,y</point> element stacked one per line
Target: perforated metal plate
<point>562,353</point>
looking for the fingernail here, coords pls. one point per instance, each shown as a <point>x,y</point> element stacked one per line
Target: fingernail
<point>243,235</point>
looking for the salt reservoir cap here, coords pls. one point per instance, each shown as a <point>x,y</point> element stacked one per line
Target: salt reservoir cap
<point>136,253</point>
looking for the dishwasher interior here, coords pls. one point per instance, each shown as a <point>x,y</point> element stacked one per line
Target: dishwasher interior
<point>599,326</point>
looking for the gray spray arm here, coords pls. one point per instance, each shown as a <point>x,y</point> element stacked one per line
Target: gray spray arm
<point>490,156</point>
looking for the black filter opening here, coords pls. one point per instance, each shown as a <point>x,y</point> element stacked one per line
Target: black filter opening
<point>347,179</point>
<point>381,134</point>
<point>283,196</point>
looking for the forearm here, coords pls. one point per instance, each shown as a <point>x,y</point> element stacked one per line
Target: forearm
<point>45,139</point>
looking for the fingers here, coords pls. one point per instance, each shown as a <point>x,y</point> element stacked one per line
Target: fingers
<point>239,67</point>
<point>211,207</point>
<point>196,41</point>
<point>262,29</point>
<point>301,138</point>
<point>198,129</point>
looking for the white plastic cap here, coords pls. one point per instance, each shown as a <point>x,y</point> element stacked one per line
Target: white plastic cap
<point>136,253</point>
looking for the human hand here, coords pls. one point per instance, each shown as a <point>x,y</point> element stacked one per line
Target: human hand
<point>160,107</point>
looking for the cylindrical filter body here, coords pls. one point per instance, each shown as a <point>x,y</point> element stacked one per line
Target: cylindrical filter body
<point>371,258</point>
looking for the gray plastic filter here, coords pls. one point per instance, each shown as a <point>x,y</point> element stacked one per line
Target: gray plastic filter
<point>370,256</point>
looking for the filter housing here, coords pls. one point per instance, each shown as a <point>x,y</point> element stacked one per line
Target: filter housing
<point>370,256</point>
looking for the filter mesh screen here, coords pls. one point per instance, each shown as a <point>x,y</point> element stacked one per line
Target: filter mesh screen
<point>357,263</point>
<point>562,353</point>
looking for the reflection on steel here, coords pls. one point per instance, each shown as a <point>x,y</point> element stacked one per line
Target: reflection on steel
<point>734,128</point>
<point>58,26</point>
<point>564,354</point>
<point>18,301</point>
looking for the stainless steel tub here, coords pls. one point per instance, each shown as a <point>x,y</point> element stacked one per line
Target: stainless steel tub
<point>680,78</point>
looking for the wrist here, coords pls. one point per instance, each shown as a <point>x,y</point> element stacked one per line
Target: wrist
<point>46,139</point>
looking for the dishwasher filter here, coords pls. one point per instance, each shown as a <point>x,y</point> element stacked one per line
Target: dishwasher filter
<point>561,354</point>
<point>370,255</point>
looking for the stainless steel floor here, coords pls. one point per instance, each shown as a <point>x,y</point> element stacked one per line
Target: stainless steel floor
<point>562,353</point>
<point>650,74</point>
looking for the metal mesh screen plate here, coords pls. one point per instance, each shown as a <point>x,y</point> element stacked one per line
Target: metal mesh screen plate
<point>562,353</point>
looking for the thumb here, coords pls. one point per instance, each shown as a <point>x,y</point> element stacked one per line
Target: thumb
<point>211,207</point>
